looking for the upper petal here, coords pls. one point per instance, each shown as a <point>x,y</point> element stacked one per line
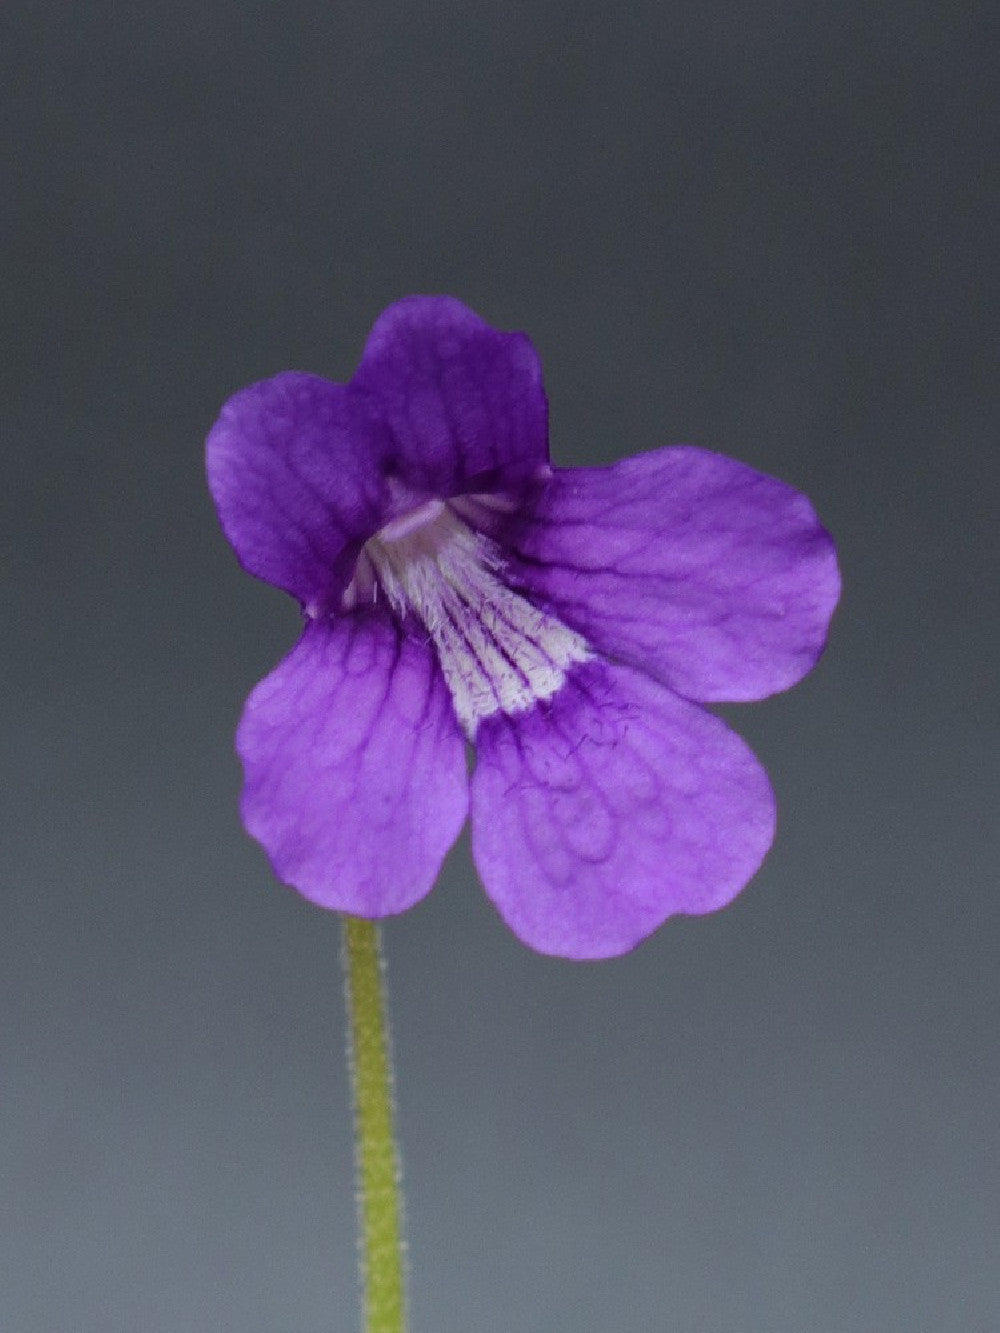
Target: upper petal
<point>616,805</point>
<point>715,578</point>
<point>295,469</point>
<point>355,768</point>
<point>464,402</point>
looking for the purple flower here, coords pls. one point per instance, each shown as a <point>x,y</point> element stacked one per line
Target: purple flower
<point>569,623</point>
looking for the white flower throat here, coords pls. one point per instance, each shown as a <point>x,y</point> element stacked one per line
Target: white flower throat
<point>498,652</point>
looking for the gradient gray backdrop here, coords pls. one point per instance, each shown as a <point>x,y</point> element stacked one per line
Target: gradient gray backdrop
<point>763,228</point>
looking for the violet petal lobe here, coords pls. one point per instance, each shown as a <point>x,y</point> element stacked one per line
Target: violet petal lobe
<point>713,577</point>
<point>613,806</point>
<point>464,402</point>
<point>294,467</point>
<point>356,780</point>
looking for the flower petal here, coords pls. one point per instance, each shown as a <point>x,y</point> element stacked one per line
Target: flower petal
<point>616,805</point>
<point>355,767</point>
<point>464,403</point>
<point>294,469</point>
<point>716,579</point>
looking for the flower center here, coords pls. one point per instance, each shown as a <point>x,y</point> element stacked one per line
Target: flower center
<point>498,652</point>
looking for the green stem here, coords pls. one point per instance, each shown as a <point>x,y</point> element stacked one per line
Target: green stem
<point>377,1158</point>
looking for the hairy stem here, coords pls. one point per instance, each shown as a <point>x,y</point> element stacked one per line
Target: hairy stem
<point>376,1154</point>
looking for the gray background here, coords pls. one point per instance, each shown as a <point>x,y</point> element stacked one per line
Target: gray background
<point>767,229</point>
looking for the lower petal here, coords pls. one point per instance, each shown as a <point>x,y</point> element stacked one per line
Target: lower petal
<point>610,808</point>
<point>355,768</point>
